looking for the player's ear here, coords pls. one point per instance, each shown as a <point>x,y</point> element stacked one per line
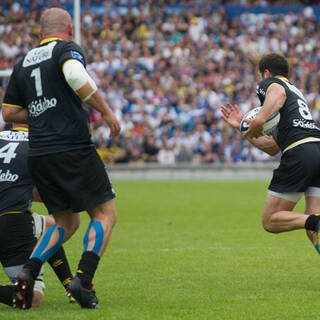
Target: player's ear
<point>70,30</point>
<point>267,74</point>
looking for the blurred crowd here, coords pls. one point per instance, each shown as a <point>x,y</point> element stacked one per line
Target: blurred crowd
<point>165,75</point>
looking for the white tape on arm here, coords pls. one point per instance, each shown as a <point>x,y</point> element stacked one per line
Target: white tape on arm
<point>78,79</point>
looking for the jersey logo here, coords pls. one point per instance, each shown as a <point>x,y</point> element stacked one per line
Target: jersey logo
<point>38,107</point>
<point>8,176</point>
<point>260,91</point>
<point>77,55</point>
<point>39,54</point>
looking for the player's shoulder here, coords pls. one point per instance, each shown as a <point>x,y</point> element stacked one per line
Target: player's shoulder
<point>69,45</point>
<point>268,81</point>
<point>264,84</point>
<point>73,49</point>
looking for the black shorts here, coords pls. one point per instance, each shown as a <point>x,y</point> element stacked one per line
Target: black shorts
<point>299,169</point>
<point>17,238</point>
<point>75,180</point>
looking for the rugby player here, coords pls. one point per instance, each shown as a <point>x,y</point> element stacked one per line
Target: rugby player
<point>46,90</point>
<point>297,137</point>
<point>19,227</point>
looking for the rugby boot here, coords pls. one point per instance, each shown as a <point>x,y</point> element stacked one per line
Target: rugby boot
<point>24,290</point>
<point>70,297</point>
<point>85,297</point>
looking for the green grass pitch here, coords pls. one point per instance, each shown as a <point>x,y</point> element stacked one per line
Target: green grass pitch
<point>191,250</point>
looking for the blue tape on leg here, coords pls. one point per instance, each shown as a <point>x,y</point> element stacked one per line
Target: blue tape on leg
<point>98,238</point>
<point>44,256</point>
<point>317,247</point>
<point>86,236</point>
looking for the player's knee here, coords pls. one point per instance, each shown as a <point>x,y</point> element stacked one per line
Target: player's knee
<point>267,225</point>
<point>49,222</point>
<point>107,215</point>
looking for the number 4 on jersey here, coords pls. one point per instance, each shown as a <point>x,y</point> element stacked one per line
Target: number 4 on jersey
<point>8,152</point>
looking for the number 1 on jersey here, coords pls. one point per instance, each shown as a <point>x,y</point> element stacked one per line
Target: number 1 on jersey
<point>37,78</point>
<point>7,153</point>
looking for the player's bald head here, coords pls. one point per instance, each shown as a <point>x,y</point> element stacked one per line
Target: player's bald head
<point>54,20</point>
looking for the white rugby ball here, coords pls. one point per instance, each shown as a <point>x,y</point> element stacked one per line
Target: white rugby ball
<point>269,125</point>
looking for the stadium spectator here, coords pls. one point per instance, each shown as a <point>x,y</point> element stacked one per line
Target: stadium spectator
<point>168,68</point>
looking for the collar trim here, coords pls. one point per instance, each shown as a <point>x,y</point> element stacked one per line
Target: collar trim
<point>20,129</point>
<point>49,40</point>
<point>283,78</point>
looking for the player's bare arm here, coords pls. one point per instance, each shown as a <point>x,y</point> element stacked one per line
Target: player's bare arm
<point>14,114</point>
<point>275,99</point>
<point>233,116</point>
<point>97,102</point>
<point>84,86</point>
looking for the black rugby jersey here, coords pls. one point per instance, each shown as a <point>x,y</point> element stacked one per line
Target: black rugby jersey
<point>296,124</point>
<point>57,120</point>
<point>16,187</point>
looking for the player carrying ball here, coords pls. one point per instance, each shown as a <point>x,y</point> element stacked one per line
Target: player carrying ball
<point>297,137</point>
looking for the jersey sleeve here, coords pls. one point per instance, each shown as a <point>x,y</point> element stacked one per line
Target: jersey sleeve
<point>262,87</point>
<point>13,97</point>
<point>71,51</point>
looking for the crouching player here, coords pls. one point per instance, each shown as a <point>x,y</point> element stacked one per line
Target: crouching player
<point>19,228</point>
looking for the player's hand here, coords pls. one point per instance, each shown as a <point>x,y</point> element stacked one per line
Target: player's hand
<point>255,129</point>
<point>113,124</point>
<point>232,115</point>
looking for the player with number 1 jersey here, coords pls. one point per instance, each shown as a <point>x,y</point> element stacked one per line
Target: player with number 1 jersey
<point>46,90</point>
<point>57,121</point>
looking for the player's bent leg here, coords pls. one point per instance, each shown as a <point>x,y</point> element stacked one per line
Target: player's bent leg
<point>58,261</point>
<point>312,195</point>
<point>47,245</point>
<point>277,214</point>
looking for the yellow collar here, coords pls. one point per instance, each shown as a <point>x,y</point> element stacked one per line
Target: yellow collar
<point>283,78</point>
<point>20,129</point>
<point>49,40</point>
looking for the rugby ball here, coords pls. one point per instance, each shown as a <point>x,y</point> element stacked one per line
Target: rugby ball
<point>269,125</point>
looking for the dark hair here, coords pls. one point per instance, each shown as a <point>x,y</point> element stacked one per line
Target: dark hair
<point>275,63</point>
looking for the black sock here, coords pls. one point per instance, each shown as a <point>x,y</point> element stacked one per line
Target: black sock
<point>60,266</point>
<point>6,294</point>
<point>87,267</point>
<point>34,265</point>
<point>313,222</point>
